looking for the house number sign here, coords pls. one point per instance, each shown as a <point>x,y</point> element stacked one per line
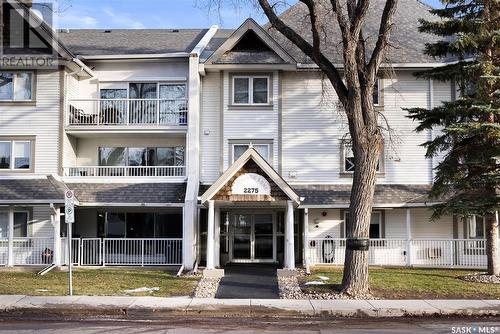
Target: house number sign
<point>251,184</point>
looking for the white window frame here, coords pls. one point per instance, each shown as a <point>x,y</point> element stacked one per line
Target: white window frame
<point>469,229</point>
<point>14,87</point>
<point>269,149</point>
<point>13,156</point>
<point>379,213</point>
<point>250,79</point>
<point>347,142</point>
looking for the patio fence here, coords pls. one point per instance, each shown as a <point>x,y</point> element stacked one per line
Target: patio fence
<point>436,253</point>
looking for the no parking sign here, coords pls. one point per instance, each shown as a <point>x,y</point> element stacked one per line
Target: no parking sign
<point>69,209</point>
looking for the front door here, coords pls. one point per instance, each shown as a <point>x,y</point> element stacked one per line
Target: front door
<point>252,237</point>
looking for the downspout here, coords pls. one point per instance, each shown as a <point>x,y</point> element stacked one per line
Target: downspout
<point>431,131</point>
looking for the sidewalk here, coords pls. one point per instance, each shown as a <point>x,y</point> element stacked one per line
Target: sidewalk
<point>186,306</point>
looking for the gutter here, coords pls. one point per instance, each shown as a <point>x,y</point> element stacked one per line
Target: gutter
<point>136,56</point>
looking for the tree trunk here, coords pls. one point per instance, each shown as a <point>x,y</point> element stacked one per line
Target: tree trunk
<point>367,153</point>
<point>492,242</point>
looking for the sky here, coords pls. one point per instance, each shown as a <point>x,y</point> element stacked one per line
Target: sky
<point>137,14</point>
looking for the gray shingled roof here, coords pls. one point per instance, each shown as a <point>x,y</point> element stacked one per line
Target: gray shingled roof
<point>384,194</point>
<point>37,190</point>
<point>407,44</point>
<point>129,192</point>
<point>131,41</point>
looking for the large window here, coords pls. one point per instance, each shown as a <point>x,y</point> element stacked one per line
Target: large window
<point>476,227</point>
<point>15,154</point>
<point>264,149</point>
<point>348,164</point>
<point>140,225</point>
<point>375,224</point>
<point>16,86</point>
<point>141,156</point>
<point>250,90</point>
<point>4,224</point>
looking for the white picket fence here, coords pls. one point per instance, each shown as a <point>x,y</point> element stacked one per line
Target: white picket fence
<point>435,253</point>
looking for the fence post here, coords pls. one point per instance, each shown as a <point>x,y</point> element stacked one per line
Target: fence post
<point>10,242</point>
<point>408,238</point>
<point>142,252</point>
<point>104,252</point>
<point>452,253</point>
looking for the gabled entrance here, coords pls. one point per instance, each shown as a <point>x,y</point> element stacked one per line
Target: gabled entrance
<point>250,215</point>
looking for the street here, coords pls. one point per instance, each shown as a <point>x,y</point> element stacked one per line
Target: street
<point>250,325</point>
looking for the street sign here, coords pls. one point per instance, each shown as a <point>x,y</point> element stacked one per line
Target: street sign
<point>69,215</point>
<point>69,209</point>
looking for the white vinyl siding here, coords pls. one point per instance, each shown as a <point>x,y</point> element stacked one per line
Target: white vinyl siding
<point>40,121</point>
<point>210,128</point>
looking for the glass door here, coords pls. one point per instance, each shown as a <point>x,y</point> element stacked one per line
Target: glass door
<point>242,237</point>
<point>252,237</point>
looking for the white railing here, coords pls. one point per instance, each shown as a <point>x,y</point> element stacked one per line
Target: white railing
<point>110,171</point>
<point>75,250</point>
<point>33,251</point>
<point>4,251</point>
<point>103,112</point>
<point>449,253</point>
<point>140,252</point>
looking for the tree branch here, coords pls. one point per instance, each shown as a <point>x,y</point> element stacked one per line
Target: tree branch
<point>383,38</point>
<point>323,62</point>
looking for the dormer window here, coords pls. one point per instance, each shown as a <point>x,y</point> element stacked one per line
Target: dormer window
<point>250,90</point>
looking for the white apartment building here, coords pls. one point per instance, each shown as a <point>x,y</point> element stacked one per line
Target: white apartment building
<point>211,146</point>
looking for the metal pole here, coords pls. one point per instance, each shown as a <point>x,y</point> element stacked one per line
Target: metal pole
<point>70,271</point>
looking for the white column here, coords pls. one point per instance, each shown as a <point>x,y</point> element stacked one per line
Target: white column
<point>306,239</point>
<point>210,235</point>
<point>189,219</point>
<point>10,244</point>
<point>408,237</point>
<point>289,238</point>
<point>55,218</point>
<point>217,237</point>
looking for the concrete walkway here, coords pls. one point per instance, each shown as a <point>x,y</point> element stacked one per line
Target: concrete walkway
<point>246,280</point>
<point>157,306</point>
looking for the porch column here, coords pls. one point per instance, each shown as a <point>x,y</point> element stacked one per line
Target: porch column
<point>289,238</point>
<point>55,218</point>
<point>408,237</point>
<point>306,239</point>
<point>10,243</point>
<point>217,237</point>
<point>210,235</point>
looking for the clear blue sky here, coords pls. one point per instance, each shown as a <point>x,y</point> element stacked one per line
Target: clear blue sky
<point>156,13</point>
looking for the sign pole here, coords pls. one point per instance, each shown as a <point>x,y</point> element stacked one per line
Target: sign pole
<point>69,216</point>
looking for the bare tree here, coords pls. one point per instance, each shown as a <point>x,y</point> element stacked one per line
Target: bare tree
<point>353,82</point>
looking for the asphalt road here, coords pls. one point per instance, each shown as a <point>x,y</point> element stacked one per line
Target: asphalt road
<point>249,325</point>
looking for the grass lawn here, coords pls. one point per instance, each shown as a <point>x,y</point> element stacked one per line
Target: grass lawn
<point>406,283</point>
<point>97,282</point>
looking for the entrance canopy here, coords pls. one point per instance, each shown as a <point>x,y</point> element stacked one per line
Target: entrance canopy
<point>250,179</point>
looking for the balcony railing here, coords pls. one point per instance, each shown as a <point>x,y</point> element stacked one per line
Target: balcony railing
<point>127,112</point>
<point>129,171</point>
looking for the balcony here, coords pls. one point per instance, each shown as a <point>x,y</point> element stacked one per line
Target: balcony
<point>125,171</point>
<point>129,113</point>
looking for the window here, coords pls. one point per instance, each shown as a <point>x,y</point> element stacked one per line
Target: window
<point>375,224</point>
<point>173,103</point>
<point>140,224</point>
<point>15,155</point>
<point>377,93</point>
<point>250,90</point>
<point>16,86</point>
<point>262,148</point>
<point>476,227</point>
<point>348,164</point>
<point>112,93</point>
<point>141,156</point>
<point>21,224</point>
<point>4,225</point>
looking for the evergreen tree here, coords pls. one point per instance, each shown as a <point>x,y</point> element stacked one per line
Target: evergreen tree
<point>468,128</point>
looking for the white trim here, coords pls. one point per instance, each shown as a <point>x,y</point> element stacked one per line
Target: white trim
<point>202,44</point>
<point>136,56</point>
<point>250,89</point>
<point>144,205</point>
<point>375,206</point>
